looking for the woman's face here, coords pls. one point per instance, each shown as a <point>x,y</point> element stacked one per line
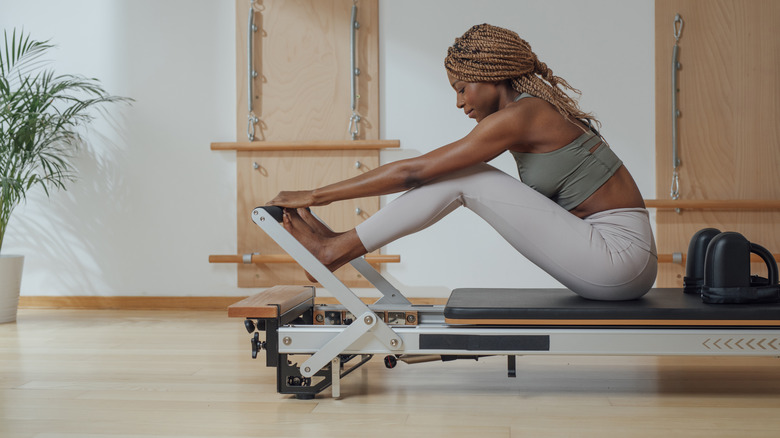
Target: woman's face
<point>477,99</point>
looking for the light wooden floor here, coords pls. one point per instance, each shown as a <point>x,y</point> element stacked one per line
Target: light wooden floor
<point>119,374</point>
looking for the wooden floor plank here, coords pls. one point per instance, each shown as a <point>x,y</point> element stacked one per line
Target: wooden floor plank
<point>166,373</point>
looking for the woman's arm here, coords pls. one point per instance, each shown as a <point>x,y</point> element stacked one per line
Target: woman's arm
<point>492,136</point>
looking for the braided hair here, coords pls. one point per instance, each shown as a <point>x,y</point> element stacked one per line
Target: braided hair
<point>488,53</point>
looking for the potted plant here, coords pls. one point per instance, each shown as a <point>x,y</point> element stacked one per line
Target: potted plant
<point>41,115</point>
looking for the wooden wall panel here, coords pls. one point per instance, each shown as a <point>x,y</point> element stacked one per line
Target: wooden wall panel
<point>283,171</point>
<point>301,52</point>
<point>301,55</point>
<point>729,135</point>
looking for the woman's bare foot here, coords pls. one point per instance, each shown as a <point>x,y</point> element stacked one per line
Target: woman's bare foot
<point>315,224</point>
<point>332,249</point>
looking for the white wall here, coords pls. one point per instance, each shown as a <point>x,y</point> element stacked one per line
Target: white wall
<point>153,201</point>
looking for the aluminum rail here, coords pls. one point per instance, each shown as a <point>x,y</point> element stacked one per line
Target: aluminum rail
<point>354,72</point>
<point>675,190</point>
<point>251,73</point>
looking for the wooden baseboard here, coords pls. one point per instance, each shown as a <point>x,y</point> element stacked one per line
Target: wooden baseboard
<point>162,303</point>
<point>127,303</point>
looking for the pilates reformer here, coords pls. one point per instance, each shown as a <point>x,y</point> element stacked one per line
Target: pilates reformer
<point>337,339</point>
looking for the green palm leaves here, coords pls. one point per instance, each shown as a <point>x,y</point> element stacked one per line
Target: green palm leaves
<point>40,117</point>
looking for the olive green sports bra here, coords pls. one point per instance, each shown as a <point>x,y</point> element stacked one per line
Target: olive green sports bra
<point>571,174</point>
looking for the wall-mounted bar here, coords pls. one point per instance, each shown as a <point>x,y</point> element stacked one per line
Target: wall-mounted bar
<point>680,258</point>
<point>284,258</point>
<point>354,72</point>
<point>715,204</point>
<point>305,145</point>
<point>675,190</point>
<point>251,73</point>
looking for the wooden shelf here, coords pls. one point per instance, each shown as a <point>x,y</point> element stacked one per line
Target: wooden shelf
<point>314,145</point>
<point>706,204</point>
<point>284,258</point>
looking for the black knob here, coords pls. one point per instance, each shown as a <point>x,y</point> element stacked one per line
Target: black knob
<point>391,361</point>
<point>257,345</point>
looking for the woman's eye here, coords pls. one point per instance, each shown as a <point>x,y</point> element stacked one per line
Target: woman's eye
<point>461,91</point>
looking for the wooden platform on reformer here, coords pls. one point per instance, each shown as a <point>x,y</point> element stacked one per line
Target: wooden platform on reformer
<point>273,302</point>
<point>561,307</point>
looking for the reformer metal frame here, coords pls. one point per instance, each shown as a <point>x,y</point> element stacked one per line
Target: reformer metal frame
<point>331,347</point>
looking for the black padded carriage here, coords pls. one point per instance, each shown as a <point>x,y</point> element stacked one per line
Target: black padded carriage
<point>663,307</point>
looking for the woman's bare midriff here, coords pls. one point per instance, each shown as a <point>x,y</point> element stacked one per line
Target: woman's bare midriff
<point>620,191</point>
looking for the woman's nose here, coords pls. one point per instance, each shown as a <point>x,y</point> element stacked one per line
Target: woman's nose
<point>459,101</point>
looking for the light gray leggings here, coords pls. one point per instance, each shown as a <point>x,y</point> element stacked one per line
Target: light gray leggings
<point>610,255</point>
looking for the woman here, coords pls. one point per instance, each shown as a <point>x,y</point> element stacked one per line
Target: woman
<point>577,213</point>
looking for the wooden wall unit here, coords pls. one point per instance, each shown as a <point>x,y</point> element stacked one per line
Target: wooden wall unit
<point>302,98</point>
<point>302,59</point>
<point>729,134</point>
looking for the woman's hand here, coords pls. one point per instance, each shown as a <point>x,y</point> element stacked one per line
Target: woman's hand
<point>296,199</point>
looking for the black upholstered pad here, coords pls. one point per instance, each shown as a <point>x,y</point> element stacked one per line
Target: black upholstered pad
<point>562,307</point>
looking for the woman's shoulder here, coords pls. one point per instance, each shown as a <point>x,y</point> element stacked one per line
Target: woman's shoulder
<point>536,125</point>
<point>532,105</point>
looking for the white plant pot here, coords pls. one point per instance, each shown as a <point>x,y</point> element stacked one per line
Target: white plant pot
<point>10,285</point>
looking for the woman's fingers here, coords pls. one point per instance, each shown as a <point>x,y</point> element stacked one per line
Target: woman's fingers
<point>298,199</point>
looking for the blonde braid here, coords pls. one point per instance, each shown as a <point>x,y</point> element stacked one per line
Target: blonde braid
<point>488,53</point>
